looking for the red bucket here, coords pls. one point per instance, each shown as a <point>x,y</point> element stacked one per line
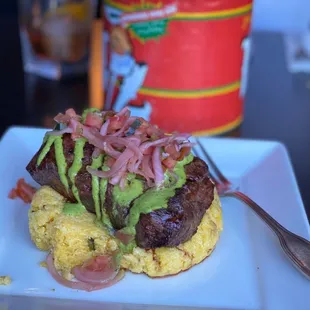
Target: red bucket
<point>178,61</point>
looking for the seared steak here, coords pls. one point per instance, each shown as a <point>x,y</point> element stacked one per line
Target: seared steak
<point>165,227</point>
<point>47,173</point>
<point>178,223</point>
<point>116,212</point>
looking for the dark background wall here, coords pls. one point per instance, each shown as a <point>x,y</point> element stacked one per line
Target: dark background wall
<point>11,74</point>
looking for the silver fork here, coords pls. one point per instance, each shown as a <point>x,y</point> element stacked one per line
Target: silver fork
<point>295,247</point>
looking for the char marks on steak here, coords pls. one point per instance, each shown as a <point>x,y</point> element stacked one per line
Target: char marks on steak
<point>116,212</point>
<point>47,172</point>
<point>179,221</point>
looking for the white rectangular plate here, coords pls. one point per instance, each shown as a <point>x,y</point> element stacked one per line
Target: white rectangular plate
<point>246,271</point>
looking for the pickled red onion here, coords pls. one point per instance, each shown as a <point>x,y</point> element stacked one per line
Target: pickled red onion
<point>96,152</point>
<point>118,165</point>
<point>80,285</point>
<point>116,179</point>
<point>123,182</point>
<point>126,125</point>
<point>109,150</point>
<point>104,128</point>
<point>146,167</point>
<point>157,167</point>
<point>135,140</point>
<point>124,111</point>
<point>143,149</point>
<point>97,270</point>
<point>162,142</point>
<point>131,164</point>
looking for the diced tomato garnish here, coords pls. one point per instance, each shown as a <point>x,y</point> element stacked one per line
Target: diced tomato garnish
<point>169,162</point>
<point>149,151</point>
<point>23,191</point>
<point>184,152</point>
<point>98,263</point>
<point>93,120</point>
<point>110,161</point>
<point>71,113</point>
<point>117,122</point>
<point>154,132</point>
<point>171,149</point>
<point>124,238</point>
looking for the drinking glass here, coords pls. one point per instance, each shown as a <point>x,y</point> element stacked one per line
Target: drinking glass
<point>57,29</point>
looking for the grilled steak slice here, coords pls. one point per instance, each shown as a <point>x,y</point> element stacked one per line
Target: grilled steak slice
<point>47,172</point>
<point>83,180</point>
<point>165,227</point>
<point>116,212</point>
<point>179,221</point>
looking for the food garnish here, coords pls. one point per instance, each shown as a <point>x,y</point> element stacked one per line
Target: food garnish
<point>23,191</point>
<point>134,145</point>
<point>97,273</point>
<point>125,196</point>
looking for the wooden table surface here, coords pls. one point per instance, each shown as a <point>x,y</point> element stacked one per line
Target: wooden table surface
<point>277,104</point>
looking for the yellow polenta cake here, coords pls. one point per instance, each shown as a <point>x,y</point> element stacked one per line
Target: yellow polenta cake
<point>74,239</point>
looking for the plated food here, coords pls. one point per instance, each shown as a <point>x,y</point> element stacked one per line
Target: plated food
<point>120,194</point>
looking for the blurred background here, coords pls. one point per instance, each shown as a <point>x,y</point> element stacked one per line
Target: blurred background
<point>235,67</point>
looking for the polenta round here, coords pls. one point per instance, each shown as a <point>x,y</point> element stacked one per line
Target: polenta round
<point>74,239</point>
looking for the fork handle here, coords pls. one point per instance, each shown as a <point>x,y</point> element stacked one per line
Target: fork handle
<point>295,247</point>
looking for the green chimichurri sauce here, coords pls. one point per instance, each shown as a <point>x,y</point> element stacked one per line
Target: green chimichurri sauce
<point>156,198</point>
<point>73,209</point>
<point>61,162</point>
<point>86,111</point>
<point>76,165</point>
<point>49,142</point>
<point>59,155</point>
<point>133,189</point>
<point>96,164</point>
